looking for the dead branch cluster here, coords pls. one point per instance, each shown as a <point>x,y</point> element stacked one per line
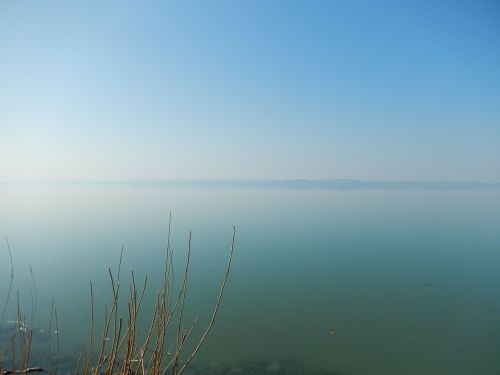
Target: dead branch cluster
<point>119,349</point>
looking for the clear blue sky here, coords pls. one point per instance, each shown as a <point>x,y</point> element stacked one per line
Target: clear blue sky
<point>107,90</point>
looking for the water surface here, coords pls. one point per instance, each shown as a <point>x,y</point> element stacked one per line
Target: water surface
<point>409,279</point>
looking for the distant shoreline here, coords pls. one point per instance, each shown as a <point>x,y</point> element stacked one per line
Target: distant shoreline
<point>331,184</point>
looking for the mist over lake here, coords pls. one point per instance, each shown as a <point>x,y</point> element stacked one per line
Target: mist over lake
<point>353,281</point>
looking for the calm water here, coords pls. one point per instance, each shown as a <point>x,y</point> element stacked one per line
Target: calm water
<point>410,280</point>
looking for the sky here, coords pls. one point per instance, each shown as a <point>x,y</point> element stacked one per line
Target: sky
<point>269,89</point>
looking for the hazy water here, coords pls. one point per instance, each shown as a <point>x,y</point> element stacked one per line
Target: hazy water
<point>409,279</point>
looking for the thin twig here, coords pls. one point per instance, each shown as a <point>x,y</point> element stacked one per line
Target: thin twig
<point>57,341</point>
<point>216,309</point>
<point>77,367</point>
<point>181,313</point>
<point>50,331</point>
<point>10,283</point>
<point>88,361</point>
<point>34,297</point>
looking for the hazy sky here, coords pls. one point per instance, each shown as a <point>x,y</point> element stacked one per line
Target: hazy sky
<point>106,90</point>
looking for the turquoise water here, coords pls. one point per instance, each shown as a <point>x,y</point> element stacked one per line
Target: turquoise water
<point>409,279</point>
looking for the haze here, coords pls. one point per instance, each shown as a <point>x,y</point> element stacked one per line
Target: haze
<point>122,90</point>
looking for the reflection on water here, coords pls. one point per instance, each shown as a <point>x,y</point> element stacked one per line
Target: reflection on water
<point>408,280</point>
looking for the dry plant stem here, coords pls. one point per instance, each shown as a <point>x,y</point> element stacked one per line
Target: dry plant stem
<point>34,297</point>
<point>130,332</point>
<point>151,329</point>
<point>25,336</point>
<point>22,330</point>
<point>167,311</point>
<point>88,361</point>
<point>13,346</point>
<point>181,314</point>
<point>164,310</point>
<point>170,310</point>
<point>184,338</point>
<point>114,349</point>
<point>77,366</point>
<point>10,284</point>
<point>108,319</point>
<point>170,269</point>
<point>133,308</point>
<point>158,326</point>
<point>57,341</point>
<point>216,309</point>
<point>117,322</point>
<point>130,325</point>
<point>130,335</point>
<point>142,363</point>
<point>152,332</point>
<point>18,331</point>
<point>160,323</point>
<point>49,342</point>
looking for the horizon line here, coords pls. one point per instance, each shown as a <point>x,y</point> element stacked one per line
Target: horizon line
<point>297,183</point>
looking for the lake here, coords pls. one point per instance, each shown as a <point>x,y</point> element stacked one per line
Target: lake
<point>408,279</point>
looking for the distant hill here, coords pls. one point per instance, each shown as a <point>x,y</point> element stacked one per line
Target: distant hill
<point>337,184</point>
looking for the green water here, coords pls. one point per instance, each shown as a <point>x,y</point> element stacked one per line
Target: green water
<point>410,279</point>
